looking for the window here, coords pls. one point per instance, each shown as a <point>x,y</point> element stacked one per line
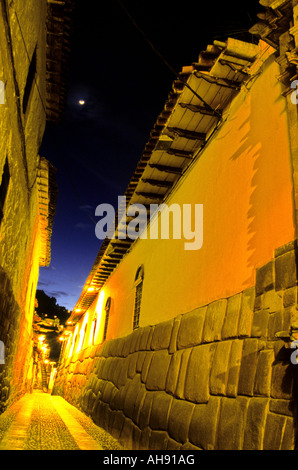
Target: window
<point>4,188</point>
<point>30,81</point>
<point>94,325</point>
<point>138,296</point>
<point>107,309</point>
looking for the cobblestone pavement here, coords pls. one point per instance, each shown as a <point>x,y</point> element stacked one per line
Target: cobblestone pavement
<point>40,421</point>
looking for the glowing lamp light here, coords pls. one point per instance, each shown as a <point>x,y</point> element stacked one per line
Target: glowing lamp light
<point>81,102</point>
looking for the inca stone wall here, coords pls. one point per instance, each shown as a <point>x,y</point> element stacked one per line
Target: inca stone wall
<point>219,377</point>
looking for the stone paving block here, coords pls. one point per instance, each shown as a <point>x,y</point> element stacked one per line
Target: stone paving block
<point>220,368</point>
<point>248,366</point>
<point>265,278</point>
<point>286,271</point>
<point>198,372</point>
<point>158,370</point>
<point>246,312</point>
<point>215,316</point>
<point>191,328</point>
<point>230,326</point>
<point>203,425</point>
<point>179,419</point>
<point>255,423</point>
<point>162,335</point>
<point>231,423</point>
<point>273,431</point>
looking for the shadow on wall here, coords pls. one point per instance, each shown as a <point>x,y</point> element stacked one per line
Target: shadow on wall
<point>264,146</point>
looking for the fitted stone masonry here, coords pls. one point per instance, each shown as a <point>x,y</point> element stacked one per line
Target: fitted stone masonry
<point>219,377</point>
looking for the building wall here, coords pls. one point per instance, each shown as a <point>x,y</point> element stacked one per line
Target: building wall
<point>22,31</point>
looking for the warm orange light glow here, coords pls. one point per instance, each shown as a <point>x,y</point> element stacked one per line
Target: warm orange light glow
<point>82,333</point>
<point>77,310</point>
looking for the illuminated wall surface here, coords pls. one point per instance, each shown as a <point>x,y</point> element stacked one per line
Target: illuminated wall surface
<point>207,366</point>
<point>23,177</point>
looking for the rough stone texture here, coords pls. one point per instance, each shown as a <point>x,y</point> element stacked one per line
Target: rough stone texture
<point>214,378</point>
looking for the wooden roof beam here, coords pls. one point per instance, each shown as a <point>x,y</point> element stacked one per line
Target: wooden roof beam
<point>166,169</point>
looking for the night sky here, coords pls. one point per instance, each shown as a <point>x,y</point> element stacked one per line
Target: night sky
<point>125,85</point>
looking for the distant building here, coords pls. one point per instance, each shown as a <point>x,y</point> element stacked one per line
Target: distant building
<point>176,348</point>
<point>34,43</point>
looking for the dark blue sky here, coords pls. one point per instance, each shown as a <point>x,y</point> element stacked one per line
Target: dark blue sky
<point>125,85</point>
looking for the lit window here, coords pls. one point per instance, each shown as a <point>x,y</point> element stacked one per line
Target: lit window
<point>138,284</point>
<point>4,188</point>
<point>107,309</point>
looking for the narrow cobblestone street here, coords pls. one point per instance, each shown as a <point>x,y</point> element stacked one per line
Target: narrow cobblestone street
<point>40,421</point>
